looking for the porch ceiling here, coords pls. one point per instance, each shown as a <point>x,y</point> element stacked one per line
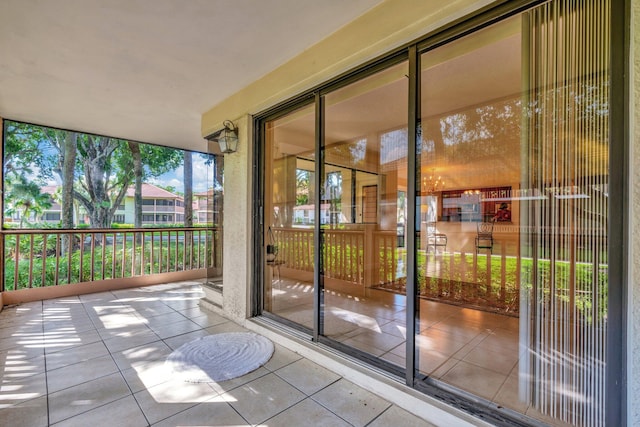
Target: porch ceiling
<point>147,69</point>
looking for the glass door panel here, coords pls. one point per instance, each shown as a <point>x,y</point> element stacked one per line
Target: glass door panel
<point>289,213</point>
<point>512,263</point>
<point>365,176</point>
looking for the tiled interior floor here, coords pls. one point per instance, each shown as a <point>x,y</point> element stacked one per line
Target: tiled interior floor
<point>98,359</point>
<point>474,350</point>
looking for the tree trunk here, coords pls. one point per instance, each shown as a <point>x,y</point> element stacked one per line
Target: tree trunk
<point>216,196</point>
<point>188,189</point>
<point>137,171</point>
<point>68,154</point>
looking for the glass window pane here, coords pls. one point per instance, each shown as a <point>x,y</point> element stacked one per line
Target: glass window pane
<point>513,214</point>
<point>365,173</point>
<point>290,216</point>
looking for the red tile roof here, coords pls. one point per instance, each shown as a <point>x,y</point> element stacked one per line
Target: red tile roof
<point>151,191</point>
<point>148,191</point>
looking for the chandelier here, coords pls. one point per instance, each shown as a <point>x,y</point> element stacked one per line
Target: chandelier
<point>431,184</point>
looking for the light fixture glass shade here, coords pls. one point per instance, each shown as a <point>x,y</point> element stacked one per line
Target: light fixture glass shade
<point>228,141</point>
<point>227,138</point>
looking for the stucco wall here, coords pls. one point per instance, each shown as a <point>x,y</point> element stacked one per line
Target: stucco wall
<point>633,339</point>
<point>236,270</point>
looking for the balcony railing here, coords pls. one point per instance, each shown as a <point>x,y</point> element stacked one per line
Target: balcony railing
<point>369,258</point>
<point>45,257</point>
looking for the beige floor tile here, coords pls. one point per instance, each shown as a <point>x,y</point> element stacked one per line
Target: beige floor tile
<point>121,331</point>
<point>270,388</point>
<point>147,375</point>
<point>459,329</point>
<point>440,341</point>
<point>146,310</point>
<point>380,340</point>
<point>175,342</point>
<point>210,413</point>
<point>228,385</point>
<point>174,329</point>
<point>122,412</point>
<point>7,331</point>
<point>397,360</point>
<point>399,350</point>
<point>501,340</point>
<point>78,373</point>
<point>441,370</point>
<point>281,357</point>
<point>20,362</point>
<point>509,395</point>
<point>14,391</point>
<point>143,354</point>
<point>395,328</point>
<point>168,398</point>
<point>475,379</point>
<point>70,356</point>
<point>362,347</point>
<point>165,320</point>
<point>398,417</point>
<point>498,361</point>
<point>351,403</point>
<point>429,361</point>
<point>203,318</point>
<point>86,396</point>
<point>77,324</point>
<point>132,340</point>
<point>225,327</point>
<point>61,340</point>
<point>307,376</point>
<point>306,413</point>
<point>118,320</point>
<point>32,413</point>
<point>21,340</point>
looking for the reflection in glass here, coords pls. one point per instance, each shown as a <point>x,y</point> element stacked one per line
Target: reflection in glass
<point>289,213</point>
<point>513,308</point>
<point>364,191</point>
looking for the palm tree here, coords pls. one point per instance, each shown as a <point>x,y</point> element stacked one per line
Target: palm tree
<point>26,198</point>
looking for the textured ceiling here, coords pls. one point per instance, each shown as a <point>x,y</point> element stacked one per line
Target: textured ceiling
<point>147,69</point>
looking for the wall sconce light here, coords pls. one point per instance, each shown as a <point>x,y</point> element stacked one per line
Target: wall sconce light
<point>226,137</point>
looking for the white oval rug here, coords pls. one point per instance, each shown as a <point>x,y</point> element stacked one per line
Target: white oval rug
<point>220,357</point>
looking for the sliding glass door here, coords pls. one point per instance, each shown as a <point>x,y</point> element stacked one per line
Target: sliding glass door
<point>365,181</point>
<point>289,212</point>
<point>512,281</point>
<point>496,224</point>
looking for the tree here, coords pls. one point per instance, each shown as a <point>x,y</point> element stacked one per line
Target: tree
<point>64,165</point>
<point>302,186</point>
<point>149,161</point>
<point>22,148</point>
<point>24,196</point>
<point>108,171</point>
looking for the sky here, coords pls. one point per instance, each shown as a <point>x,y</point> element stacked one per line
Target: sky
<point>202,177</point>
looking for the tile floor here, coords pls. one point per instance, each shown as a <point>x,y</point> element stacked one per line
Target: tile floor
<point>98,359</point>
<point>476,351</point>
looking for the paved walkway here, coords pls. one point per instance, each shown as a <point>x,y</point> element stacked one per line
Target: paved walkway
<point>98,359</point>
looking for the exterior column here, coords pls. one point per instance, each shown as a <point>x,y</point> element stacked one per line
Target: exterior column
<point>234,302</point>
